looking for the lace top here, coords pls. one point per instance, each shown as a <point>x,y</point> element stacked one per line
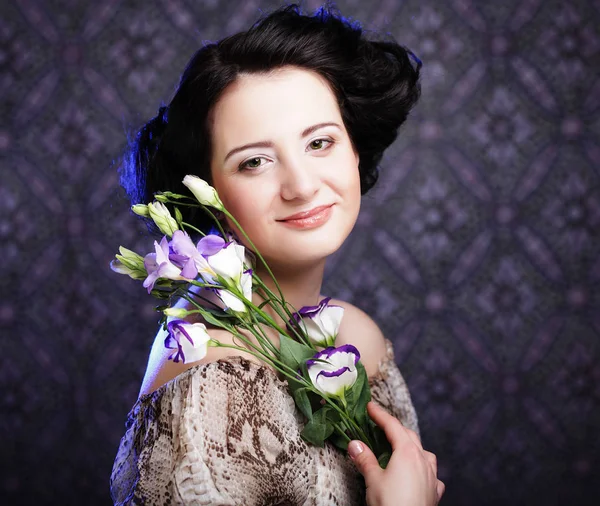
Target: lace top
<point>228,433</point>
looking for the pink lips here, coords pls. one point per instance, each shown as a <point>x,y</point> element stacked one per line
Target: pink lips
<point>309,219</point>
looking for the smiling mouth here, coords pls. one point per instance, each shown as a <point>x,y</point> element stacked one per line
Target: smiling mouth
<point>306,214</point>
<point>310,219</point>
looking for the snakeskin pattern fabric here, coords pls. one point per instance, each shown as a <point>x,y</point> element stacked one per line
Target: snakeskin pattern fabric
<point>228,433</point>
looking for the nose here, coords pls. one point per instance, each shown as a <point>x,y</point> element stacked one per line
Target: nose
<point>298,180</point>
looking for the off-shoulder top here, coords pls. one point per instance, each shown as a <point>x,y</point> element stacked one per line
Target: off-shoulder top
<point>228,433</point>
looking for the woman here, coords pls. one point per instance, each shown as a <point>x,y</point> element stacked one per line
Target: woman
<point>288,122</point>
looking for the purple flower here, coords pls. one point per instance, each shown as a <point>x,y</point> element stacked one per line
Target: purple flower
<point>185,254</point>
<point>189,340</point>
<point>321,323</point>
<point>333,370</point>
<point>158,265</point>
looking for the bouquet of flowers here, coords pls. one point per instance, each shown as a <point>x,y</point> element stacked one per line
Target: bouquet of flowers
<point>329,384</point>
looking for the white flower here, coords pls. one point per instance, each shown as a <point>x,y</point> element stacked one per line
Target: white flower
<point>162,217</point>
<point>189,340</point>
<point>228,262</point>
<point>333,370</point>
<point>231,301</point>
<point>204,193</point>
<point>321,323</point>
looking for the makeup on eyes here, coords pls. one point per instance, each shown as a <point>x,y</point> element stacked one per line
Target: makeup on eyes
<point>269,144</point>
<point>243,166</point>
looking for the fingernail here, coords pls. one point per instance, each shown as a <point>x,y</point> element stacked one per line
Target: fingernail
<point>355,449</point>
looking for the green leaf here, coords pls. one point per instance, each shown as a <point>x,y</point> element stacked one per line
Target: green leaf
<point>382,446</point>
<point>318,429</point>
<point>331,414</point>
<point>339,441</point>
<point>178,217</point>
<point>261,319</point>
<point>293,353</point>
<point>362,396</point>
<point>219,313</point>
<point>210,318</point>
<point>303,402</point>
<point>383,459</point>
<point>314,433</point>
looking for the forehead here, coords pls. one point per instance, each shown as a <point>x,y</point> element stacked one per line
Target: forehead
<point>264,106</point>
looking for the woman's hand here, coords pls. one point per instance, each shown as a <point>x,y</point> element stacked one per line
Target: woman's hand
<point>410,478</point>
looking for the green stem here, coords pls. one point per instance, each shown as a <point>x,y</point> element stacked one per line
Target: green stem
<point>187,225</point>
<point>264,341</point>
<point>264,335</point>
<point>207,209</point>
<point>255,249</point>
<point>205,299</point>
<point>275,308</point>
<point>342,432</point>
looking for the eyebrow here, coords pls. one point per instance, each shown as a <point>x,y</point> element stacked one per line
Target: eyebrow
<point>269,144</point>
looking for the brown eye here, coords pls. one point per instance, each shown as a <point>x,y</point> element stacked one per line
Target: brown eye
<point>253,163</point>
<point>320,144</point>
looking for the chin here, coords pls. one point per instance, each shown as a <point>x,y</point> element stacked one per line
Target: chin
<point>306,246</point>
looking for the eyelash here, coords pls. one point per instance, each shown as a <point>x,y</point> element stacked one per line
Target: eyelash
<point>243,166</point>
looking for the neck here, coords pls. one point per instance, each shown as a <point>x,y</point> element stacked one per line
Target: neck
<point>300,286</point>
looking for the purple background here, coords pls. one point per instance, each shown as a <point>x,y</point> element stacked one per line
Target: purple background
<point>479,247</point>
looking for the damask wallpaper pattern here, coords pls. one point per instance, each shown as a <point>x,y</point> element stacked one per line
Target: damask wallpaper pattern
<point>477,252</point>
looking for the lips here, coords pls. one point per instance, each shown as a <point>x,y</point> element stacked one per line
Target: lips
<point>306,214</point>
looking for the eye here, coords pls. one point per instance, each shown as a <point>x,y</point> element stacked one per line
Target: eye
<point>321,144</point>
<point>252,163</point>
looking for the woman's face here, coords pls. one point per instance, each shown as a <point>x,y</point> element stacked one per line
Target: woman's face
<point>280,148</point>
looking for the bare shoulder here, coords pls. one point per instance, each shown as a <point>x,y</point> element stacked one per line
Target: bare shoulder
<point>161,370</point>
<point>359,329</point>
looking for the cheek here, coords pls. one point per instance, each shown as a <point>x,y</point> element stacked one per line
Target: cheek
<point>245,204</point>
<point>349,181</point>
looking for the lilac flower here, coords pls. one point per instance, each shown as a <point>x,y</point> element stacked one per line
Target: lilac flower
<point>333,370</point>
<point>321,323</point>
<point>188,256</point>
<point>158,265</point>
<point>213,257</point>
<point>189,340</point>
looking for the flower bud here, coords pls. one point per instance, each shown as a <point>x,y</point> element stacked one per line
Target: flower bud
<point>204,193</point>
<point>141,210</point>
<point>163,219</point>
<point>177,312</point>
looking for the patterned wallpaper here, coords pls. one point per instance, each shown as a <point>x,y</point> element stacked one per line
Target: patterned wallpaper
<point>478,250</point>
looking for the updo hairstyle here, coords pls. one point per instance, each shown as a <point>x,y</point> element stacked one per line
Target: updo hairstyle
<point>375,84</point>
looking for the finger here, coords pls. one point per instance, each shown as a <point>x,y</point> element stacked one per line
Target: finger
<point>415,438</point>
<point>432,459</point>
<point>364,460</point>
<point>441,488</point>
<point>395,432</point>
